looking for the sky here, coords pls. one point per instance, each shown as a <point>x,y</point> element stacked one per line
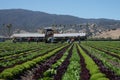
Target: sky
<point>80,8</point>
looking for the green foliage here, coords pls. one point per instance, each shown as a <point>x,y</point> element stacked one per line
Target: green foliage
<point>17,69</point>
<point>73,70</point>
<point>90,63</point>
<point>6,74</point>
<point>52,71</point>
<point>49,73</point>
<point>102,79</point>
<point>11,72</point>
<point>118,71</point>
<point>26,65</point>
<point>14,53</point>
<point>97,76</point>
<point>46,78</point>
<point>91,66</point>
<point>112,47</point>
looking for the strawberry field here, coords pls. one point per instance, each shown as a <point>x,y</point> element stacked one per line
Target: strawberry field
<point>89,60</point>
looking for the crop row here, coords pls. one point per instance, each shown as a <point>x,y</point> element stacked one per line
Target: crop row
<point>22,57</point>
<point>95,73</point>
<point>11,72</point>
<point>7,49</point>
<point>14,49</point>
<point>109,61</point>
<point>74,68</point>
<point>104,46</point>
<point>49,74</point>
<point>64,62</point>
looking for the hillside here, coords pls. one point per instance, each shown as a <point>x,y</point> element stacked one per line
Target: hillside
<point>112,33</point>
<point>31,21</point>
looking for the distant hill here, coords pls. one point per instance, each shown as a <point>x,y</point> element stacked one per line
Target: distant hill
<point>22,19</point>
<point>32,20</point>
<point>114,34</point>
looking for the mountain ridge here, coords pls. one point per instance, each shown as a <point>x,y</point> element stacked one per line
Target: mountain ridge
<point>28,20</point>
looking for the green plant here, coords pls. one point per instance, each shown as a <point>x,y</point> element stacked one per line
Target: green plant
<point>73,70</point>
<point>97,76</point>
<point>91,66</point>
<point>103,79</point>
<point>11,72</point>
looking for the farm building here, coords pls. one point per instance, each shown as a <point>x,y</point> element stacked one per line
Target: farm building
<point>41,37</point>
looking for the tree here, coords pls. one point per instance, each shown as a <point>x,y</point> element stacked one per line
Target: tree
<point>9,26</point>
<point>87,31</point>
<point>87,25</point>
<point>94,25</point>
<point>5,30</point>
<point>80,26</point>
<point>119,38</point>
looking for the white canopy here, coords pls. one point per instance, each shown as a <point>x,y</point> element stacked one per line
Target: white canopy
<point>69,35</point>
<point>43,35</point>
<point>28,35</point>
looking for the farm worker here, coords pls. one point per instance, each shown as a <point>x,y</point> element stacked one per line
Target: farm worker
<point>72,40</point>
<point>29,39</point>
<point>68,41</point>
<point>14,40</point>
<point>37,40</point>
